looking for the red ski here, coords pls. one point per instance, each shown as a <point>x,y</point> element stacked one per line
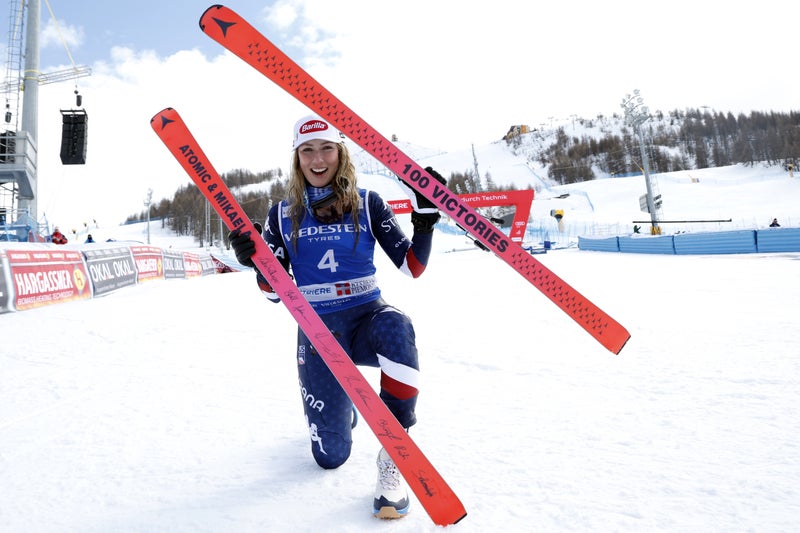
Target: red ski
<point>433,493</point>
<point>237,35</point>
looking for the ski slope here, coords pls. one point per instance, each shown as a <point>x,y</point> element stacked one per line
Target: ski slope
<point>162,408</point>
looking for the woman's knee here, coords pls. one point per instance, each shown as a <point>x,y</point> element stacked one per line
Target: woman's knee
<point>330,450</point>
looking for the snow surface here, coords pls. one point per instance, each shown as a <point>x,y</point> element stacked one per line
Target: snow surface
<point>173,406</point>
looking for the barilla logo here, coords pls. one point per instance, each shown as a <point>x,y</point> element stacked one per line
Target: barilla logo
<point>312,126</point>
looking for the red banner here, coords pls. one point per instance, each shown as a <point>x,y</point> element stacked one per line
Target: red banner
<point>149,262</point>
<point>400,206</point>
<point>521,200</point>
<point>191,264</point>
<point>43,277</point>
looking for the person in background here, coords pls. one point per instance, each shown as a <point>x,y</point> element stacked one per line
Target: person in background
<point>325,233</point>
<point>774,223</point>
<point>89,238</point>
<point>57,237</point>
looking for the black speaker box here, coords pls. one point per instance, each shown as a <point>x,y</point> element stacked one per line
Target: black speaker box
<point>73,137</point>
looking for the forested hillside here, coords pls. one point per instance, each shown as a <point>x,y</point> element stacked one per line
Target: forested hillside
<point>679,140</point>
<point>581,150</point>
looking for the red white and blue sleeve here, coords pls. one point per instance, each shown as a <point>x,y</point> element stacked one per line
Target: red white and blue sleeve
<point>409,255</point>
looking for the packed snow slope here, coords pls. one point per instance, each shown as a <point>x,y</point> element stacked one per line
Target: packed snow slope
<point>173,406</point>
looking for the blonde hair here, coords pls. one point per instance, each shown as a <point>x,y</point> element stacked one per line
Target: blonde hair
<point>343,184</point>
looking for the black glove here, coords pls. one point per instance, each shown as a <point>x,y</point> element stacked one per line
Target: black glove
<point>244,246</point>
<point>419,203</point>
<point>424,222</point>
<point>425,215</point>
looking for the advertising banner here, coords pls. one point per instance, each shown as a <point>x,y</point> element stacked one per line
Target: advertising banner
<point>5,295</point>
<point>521,200</point>
<point>173,264</point>
<point>191,265</point>
<point>110,268</point>
<point>43,277</point>
<point>149,262</point>
<point>33,275</point>
<point>207,265</point>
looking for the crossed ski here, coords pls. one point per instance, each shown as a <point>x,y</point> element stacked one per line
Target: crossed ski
<point>237,35</point>
<point>433,493</point>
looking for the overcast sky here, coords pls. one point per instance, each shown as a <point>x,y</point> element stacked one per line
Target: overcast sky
<point>442,74</point>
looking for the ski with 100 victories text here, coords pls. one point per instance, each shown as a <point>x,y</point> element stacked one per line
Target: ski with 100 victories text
<point>238,36</point>
<point>433,493</point>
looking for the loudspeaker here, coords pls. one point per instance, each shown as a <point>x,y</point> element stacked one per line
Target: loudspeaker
<point>73,137</point>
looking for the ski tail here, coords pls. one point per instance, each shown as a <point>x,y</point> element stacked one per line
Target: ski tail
<point>242,39</point>
<point>433,493</point>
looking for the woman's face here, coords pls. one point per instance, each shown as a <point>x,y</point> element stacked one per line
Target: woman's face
<point>319,161</point>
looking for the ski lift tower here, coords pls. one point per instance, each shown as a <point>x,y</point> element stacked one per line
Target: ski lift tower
<point>18,142</point>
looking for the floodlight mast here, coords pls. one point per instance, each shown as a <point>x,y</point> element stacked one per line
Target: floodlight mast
<point>22,166</point>
<point>637,114</point>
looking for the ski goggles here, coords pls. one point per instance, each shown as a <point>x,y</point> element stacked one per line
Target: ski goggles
<point>325,210</point>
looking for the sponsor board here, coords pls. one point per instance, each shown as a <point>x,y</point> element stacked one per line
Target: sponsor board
<point>43,277</point>
<point>149,262</point>
<point>110,268</point>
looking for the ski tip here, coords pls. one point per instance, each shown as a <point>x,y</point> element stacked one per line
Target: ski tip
<point>213,7</point>
<point>165,110</point>
<point>160,114</point>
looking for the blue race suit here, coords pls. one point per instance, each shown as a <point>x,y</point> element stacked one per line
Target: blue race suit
<point>333,267</point>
